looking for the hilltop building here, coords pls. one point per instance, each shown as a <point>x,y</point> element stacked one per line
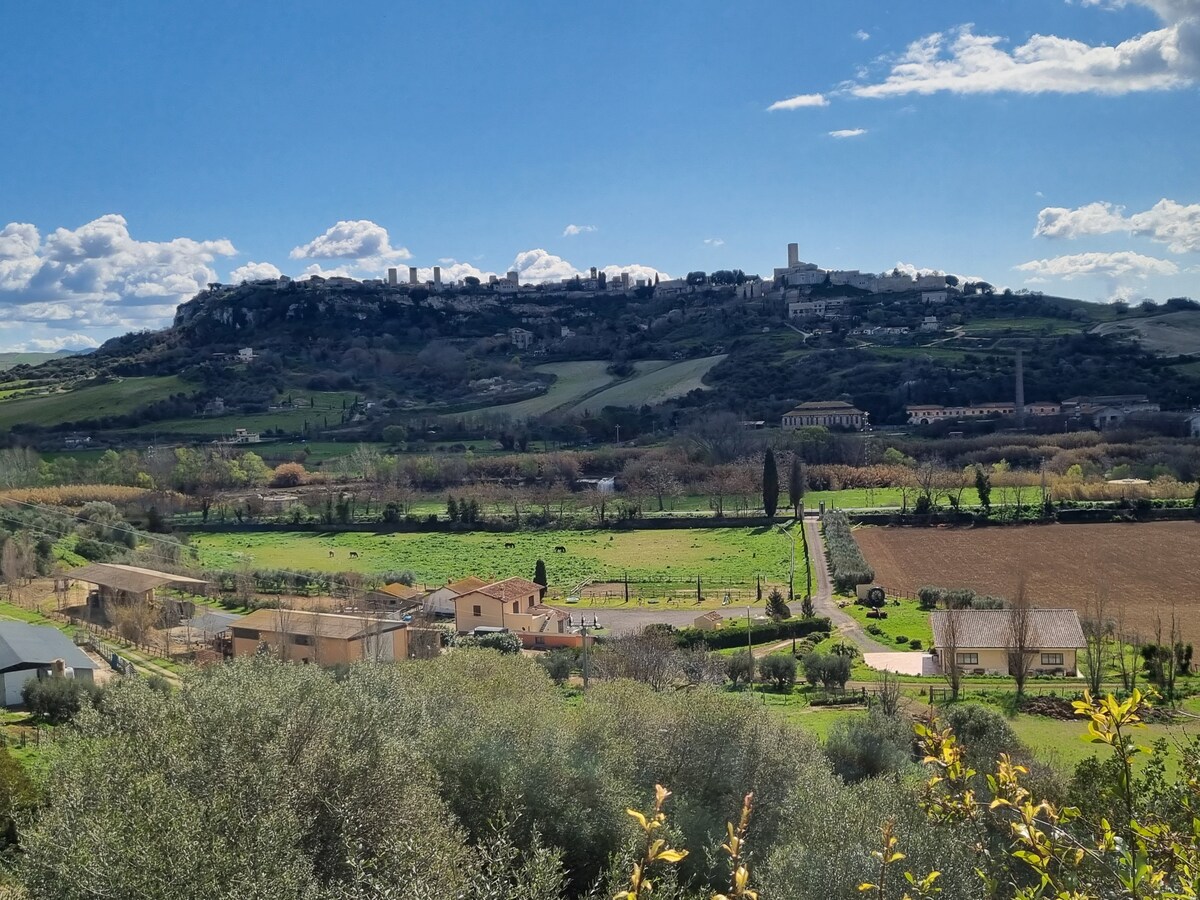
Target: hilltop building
<point>829,413</point>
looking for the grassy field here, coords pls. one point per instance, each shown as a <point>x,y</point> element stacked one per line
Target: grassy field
<point>652,385</point>
<point>113,399</point>
<point>572,381</point>
<point>722,557</point>
<point>907,619</point>
<point>1031,325</point>
<point>326,407</point>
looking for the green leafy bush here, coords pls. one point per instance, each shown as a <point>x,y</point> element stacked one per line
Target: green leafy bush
<point>849,567</point>
<point>56,700</point>
<point>779,670</point>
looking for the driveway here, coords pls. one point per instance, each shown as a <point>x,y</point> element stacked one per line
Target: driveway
<point>620,621</point>
<point>843,623</point>
<point>902,663</point>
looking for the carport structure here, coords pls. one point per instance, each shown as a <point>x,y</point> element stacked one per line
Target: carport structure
<point>125,584</point>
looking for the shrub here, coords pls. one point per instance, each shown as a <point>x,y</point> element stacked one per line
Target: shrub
<point>558,664</point>
<point>57,700</point>
<point>724,638</point>
<point>740,667</point>
<point>929,597</point>
<point>830,670</point>
<point>502,641</point>
<point>865,746</point>
<point>779,670</point>
<point>849,568</point>
<point>94,551</point>
<point>874,629</point>
<point>915,643</point>
<point>901,639</point>
<point>289,474</point>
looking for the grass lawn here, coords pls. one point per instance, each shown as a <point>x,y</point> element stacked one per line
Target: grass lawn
<point>325,409</point>
<point>724,558</point>
<point>572,382</point>
<point>1031,325</point>
<point>907,620</point>
<point>116,398</point>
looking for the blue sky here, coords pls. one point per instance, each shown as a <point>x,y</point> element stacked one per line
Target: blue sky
<point>152,145</point>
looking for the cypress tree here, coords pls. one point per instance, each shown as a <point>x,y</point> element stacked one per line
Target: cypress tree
<point>770,485</point>
<point>796,485</point>
<point>539,573</point>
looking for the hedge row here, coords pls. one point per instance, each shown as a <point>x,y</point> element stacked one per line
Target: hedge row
<point>846,562</point>
<point>722,638</point>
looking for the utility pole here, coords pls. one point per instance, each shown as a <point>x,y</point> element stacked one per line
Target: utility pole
<point>583,631</point>
<point>750,648</point>
<point>618,435</point>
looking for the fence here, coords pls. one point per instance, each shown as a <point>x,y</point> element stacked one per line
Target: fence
<point>20,736</point>
<point>680,593</point>
<point>1065,692</point>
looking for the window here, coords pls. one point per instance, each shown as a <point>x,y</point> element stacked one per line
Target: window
<point>249,634</point>
<point>477,611</point>
<point>1052,659</point>
<point>302,639</point>
<point>968,659</point>
<point>517,606</point>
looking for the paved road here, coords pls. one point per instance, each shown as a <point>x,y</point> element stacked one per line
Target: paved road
<point>845,624</point>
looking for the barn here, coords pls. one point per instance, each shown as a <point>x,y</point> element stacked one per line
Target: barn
<point>29,651</point>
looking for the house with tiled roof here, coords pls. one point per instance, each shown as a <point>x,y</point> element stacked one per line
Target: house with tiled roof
<point>980,640</point>
<point>515,605</point>
<point>440,602</point>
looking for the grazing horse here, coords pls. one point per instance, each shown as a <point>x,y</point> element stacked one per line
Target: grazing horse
<point>560,549</point>
<point>354,554</point>
<point>509,545</point>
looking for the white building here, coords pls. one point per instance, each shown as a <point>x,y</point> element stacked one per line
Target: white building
<point>934,296</point>
<point>829,413</point>
<point>246,354</point>
<point>520,338</point>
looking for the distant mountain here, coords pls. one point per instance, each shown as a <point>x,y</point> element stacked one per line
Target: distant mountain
<point>8,360</point>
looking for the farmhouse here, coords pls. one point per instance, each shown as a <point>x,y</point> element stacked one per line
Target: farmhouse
<point>441,601</point>
<point>981,638</point>
<point>328,639</point>
<point>829,413</point>
<point>514,605</point>
<point>31,651</point>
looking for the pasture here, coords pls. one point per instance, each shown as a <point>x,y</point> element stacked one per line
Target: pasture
<point>655,561</point>
<point>653,383</point>
<point>316,408</point>
<point>572,381</point>
<point>1144,569</point>
<point>116,398</point>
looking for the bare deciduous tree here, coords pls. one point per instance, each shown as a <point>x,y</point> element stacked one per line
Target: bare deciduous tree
<point>1098,636</point>
<point>1129,651</point>
<point>948,650</point>
<point>1020,636</point>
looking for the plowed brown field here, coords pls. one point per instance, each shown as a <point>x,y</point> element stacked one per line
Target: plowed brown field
<point>1146,566</point>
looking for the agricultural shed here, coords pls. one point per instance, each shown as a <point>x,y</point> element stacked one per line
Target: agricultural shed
<point>708,620</point>
<point>212,624</point>
<point>329,639</point>
<point>29,651</point>
<point>122,583</point>
<point>981,639</point>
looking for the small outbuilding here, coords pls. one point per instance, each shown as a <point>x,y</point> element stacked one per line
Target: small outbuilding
<point>31,651</point>
<point>708,621</point>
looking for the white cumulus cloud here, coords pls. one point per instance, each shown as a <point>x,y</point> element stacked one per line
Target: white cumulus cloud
<point>800,101</point>
<point>1167,222</point>
<point>714,242</point>
<point>572,230</point>
<point>64,342</point>
<point>99,276</point>
<point>843,133</point>
<point>1118,265</point>
<point>254,271</point>
<point>963,62</point>
<point>540,265</point>
<point>358,239</point>
<point>862,35</point>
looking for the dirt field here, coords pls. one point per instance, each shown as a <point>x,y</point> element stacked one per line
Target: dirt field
<point>1147,567</point>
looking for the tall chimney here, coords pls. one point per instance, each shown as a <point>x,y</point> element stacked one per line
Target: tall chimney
<point>793,255</point>
<point>1019,403</point>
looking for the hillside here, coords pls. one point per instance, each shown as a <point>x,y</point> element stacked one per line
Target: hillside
<point>345,361</point>
<point>8,360</point>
